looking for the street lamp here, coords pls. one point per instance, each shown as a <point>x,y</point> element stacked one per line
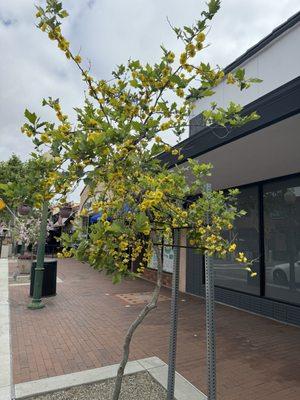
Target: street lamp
<point>36,302</point>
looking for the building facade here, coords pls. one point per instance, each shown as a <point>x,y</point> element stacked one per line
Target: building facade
<point>262,159</point>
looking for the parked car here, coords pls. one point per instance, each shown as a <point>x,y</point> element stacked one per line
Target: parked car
<point>281,273</point>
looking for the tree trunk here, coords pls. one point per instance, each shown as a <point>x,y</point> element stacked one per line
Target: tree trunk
<point>142,315</point>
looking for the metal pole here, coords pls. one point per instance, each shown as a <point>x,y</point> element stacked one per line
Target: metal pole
<point>174,317</point>
<point>36,302</point>
<point>210,320</point>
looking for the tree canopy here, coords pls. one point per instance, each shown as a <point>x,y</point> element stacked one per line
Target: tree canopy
<point>120,130</point>
<point>29,182</point>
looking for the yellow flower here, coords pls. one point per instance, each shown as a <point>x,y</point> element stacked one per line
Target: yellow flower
<point>78,59</point>
<point>242,258</point>
<point>230,79</point>
<point>92,122</point>
<point>165,126</point>
<point>123,245</point>
<point>183,58</point>
<point>232,247</point>
<point>191,49</point>
<point>188,68</point>
<point>57,159</point>
<point>170,57</point>
<point>43,27</point>
<point>45,138</point>
<point>200,37</point>
<point>180,92</point>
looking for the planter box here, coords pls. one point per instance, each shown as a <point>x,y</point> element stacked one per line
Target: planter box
<point>5,250</point>
<point>24,266</point>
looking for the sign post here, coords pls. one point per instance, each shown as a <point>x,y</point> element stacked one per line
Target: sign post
<point>210,319</point>
<point>174,317</point>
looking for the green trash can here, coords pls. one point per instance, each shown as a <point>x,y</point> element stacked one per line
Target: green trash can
<point>49,278</point>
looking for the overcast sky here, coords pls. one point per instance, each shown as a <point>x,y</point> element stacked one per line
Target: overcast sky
<point>109,32</point>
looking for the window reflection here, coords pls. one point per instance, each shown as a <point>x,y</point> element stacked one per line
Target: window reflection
<point>282,239</point>
<point>229,273</point>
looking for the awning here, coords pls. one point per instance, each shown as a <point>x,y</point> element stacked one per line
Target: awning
<point>94,218</point>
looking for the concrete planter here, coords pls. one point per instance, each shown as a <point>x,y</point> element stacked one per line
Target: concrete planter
<point>152,367</point>
<point>24,265</point>
<point>5,250</point>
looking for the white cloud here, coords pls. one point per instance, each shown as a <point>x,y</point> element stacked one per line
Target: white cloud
<point>109,32</point>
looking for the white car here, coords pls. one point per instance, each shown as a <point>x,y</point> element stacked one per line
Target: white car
<point>281,273</point>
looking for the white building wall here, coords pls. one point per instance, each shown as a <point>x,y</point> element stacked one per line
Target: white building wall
<point>276,64</point>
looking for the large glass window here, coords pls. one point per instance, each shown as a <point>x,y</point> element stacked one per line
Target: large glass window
<point>229,273</point>
<point>282,239</point>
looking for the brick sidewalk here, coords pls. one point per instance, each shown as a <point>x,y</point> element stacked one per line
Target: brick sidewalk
<point>83,327</point>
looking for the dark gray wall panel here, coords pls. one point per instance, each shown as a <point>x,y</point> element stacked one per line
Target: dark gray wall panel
<point>194,272</point>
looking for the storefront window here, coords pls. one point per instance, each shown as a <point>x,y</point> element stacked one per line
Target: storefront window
<point>282,239</point>
<point>229,273</point>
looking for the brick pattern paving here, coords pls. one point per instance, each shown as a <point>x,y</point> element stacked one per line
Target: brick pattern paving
<point>83,326</point>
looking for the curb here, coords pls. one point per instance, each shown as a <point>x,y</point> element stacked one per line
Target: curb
<point>184,390</point>
<point>6,386</point>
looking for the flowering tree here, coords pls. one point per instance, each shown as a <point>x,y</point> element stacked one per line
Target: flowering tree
<point>12,172</point>
<point>30,182</point>
<point>121,129</point>
<point>27,230</point>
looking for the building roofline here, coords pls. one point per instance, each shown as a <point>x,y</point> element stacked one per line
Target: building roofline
<point>279,30</point>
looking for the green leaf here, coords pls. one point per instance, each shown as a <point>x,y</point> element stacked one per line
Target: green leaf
<point>176,79</point>
<point>137,125</point>
<point>64,14</point>
<point>30,116</point>
<point>141,222</point>
<point>240,74</point>
<point>115,228</point>
<point>188,30</point>
<point>156,149</point>
<point>116,278</point>
<point>255,80</point>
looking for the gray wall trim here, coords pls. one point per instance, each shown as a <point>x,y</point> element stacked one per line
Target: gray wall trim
<point>259,305</point>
